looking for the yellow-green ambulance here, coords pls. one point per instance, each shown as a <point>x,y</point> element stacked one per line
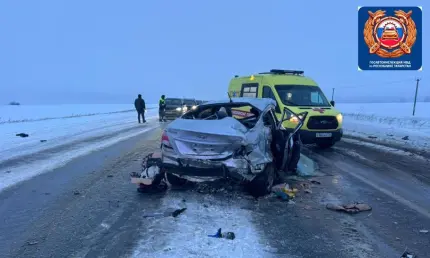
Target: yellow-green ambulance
<point>322,125</point>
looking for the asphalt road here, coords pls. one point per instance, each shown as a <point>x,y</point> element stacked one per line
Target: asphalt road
<point>89,208</point>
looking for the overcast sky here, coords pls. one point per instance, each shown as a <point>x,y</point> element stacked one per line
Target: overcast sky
<point>104,51</point>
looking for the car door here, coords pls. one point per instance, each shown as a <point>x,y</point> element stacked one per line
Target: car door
<point>288,136</point>
<point>277,141</point>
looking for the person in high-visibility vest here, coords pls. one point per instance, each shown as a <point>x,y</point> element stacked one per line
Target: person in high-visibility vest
<point>162,108</point>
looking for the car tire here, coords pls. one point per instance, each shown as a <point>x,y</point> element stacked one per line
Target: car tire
<point>263,182</point>
<point>175,180</point>
<point>325,144</point>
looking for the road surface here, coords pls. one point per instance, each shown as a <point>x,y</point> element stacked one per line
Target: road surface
<point>88,208</point>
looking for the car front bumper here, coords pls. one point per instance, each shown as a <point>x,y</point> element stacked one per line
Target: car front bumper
<point>310,137</point>
<point>172,114</point>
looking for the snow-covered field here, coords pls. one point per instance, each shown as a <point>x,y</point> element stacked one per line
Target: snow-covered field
<point>46,112</point>
<point>389,123</point>
<point>56,137</point>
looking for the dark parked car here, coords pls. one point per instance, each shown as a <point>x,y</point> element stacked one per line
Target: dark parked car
<point>190,104</point>
<point>174,108</point>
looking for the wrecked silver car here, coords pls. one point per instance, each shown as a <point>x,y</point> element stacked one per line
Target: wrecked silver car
<point>240,138</point>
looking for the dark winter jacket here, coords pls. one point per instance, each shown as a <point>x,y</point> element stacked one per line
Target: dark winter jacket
<point>139,104</point>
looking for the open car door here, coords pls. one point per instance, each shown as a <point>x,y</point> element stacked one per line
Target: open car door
<point>290,152</point>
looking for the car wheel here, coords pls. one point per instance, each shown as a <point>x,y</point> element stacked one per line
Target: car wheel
<point>263,182</point>
<point>175,180</point>
<point>325,144</point>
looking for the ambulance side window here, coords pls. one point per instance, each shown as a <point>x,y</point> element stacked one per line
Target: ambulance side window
<point>268,93</point>
<point>249,90</point>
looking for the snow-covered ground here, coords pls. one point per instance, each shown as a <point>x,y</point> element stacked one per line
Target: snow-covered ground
<point>55,141</point>
<point>389,123</point>
<point>46,112</point>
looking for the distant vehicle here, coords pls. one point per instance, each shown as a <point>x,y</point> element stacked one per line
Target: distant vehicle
<point>174,108</point>
<point>323,125</point>
<point>213,141</point>
<point>14,103</point>
<point>189,104</point>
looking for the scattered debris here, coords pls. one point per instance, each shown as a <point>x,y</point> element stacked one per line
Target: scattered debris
<point>349,208</point>
<point>42,140</point>
<point>372,137</point>
<point>306,187</point>
<point>284,191</point>
<point>76,193</point>
<point>405,138</point>
<point>391,135</point>
<point>177,212</point>
<point>47,193</point>
<point>32,242</point>
<point>226,235</point>
<point>315,182</point>
<point>205,205</point>
<point>425,231</point>
<point>407,254</point>
<point>8,172</point>
<point>397,238</point>
<point>109,175</point>
<point>167,213</point>
<point>183,200</point>
<point>23,135</point>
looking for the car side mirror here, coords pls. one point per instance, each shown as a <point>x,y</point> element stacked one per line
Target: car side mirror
<point>332,103</point>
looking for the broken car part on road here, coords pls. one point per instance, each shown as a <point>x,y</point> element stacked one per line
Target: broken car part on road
<point>240,138</point>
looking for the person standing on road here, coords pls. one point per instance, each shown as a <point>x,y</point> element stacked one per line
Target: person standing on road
<point>162,108</point>
<point>139,104</point>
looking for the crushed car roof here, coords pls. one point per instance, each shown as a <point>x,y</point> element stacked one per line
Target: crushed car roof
<point>260,103</point>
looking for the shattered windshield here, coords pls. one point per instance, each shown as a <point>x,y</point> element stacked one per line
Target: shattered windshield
<point>302,95</point>
<point>176,102</point>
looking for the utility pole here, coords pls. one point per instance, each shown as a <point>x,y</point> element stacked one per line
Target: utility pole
<point>332,94</point>
<point>416,93</point>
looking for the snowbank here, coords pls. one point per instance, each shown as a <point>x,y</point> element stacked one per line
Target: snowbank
<point>388,123</point>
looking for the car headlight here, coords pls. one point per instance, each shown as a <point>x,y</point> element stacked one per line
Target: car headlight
<point>194,107</point>
<point>185,109</point>
<point>295,120</point>
<point>339,118</point>
<point>178,109</point>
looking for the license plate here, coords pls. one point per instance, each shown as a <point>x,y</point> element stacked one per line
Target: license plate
<point>324,135</point>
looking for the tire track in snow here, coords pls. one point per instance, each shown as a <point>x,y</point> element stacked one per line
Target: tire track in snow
<point>187,234</point>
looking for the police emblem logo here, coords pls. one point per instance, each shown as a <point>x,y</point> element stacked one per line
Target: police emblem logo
<point>390,36</point>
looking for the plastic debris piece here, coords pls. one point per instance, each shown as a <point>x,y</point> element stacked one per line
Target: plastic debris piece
<point>349,208</point>
<point>177,212</point>
<point>32,242</point>
<point>425,231</point>
<point>226,235</point>
<point>407,254</point>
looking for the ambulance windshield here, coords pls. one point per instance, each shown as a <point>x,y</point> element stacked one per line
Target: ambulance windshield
<point>302,95</point>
